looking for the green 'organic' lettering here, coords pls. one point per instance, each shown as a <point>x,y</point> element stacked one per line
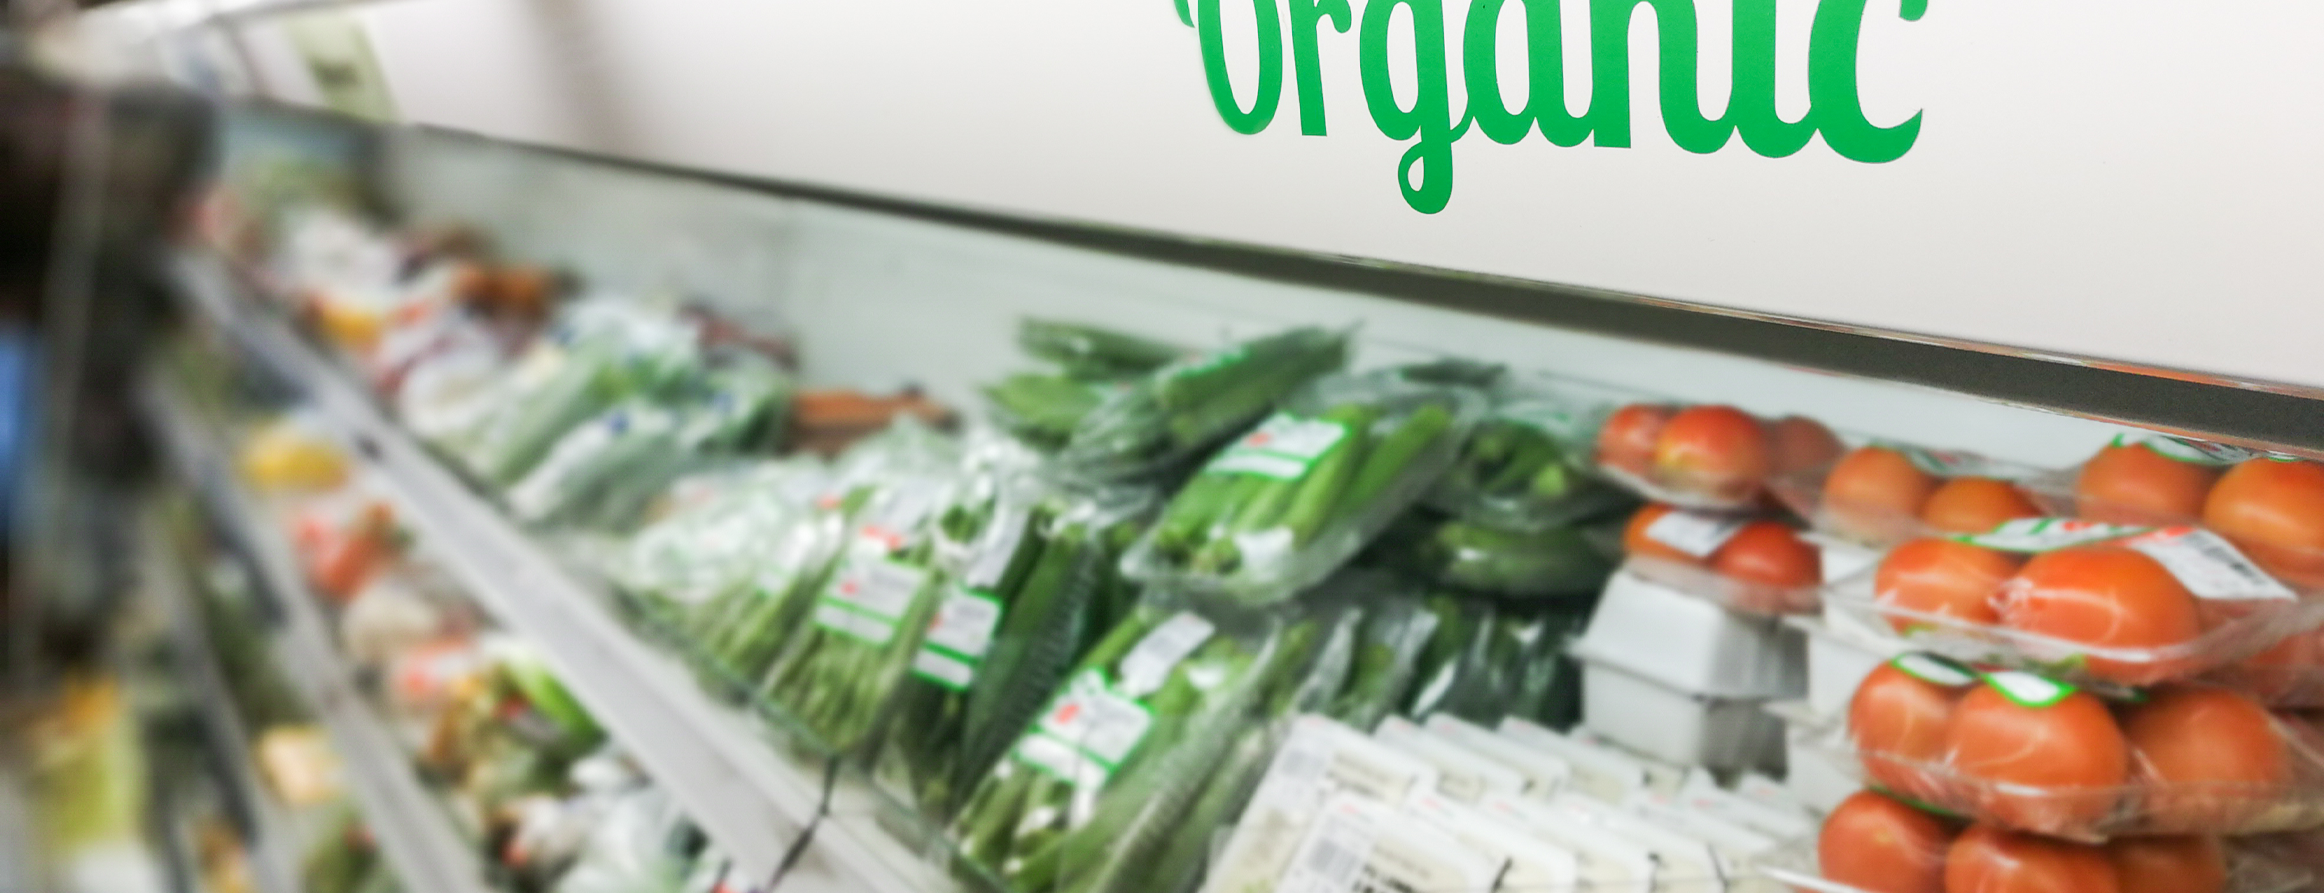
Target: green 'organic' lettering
<point>1425,173</point>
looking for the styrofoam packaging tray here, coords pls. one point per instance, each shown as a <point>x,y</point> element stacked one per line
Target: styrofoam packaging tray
<point>1679,726</point>
<point>1840,654</point>
<point>1691,645</point>
<point>1817,775</point>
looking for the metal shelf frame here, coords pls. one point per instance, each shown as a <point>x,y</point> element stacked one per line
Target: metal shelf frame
<point>767,812</point>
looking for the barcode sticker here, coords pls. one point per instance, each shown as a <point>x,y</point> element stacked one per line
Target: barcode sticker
<point>1696,533</point>
<point>1097,721</point>
<point>1333,859</point>
<point>1148,665</point>
<point>2209,566</point>
<point>1283,447</point>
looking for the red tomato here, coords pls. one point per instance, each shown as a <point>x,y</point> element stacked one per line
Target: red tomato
<point>1798,443</point>
<point>2275,511</point>
<point>1990,860</point>
<point>1943,578</point>
<point>2130,484</point>
<point>2209,757</point>
<point>1769,553</point>
<point>1877,845</point>
<point>2193,864</point>
<point>1975,505</point>
<point>2054,769</point>
<point>1627,439</point>
<point>1898,721</point>
<point>1637,544</point>
<point>1876,494</point>
<point>1716,451</point>
<point>2106,596</point>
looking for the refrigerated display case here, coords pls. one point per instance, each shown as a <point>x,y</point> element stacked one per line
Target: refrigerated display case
<point>938,455</point>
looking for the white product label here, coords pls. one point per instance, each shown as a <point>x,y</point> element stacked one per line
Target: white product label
<point>2027,689</point>
<point>1099,722</point>
<point>2210,567</point>
<point>1928,668</point>
<point>897,512</point>
<point>943,669</point>
<point>1283,447</point>
<point>2047,534</point>
<point>868,597</point>
<point>1333,859</point>
<point>1148,665</point>
<point>999,546</point>
<point>2194,452</point>
<point>1696,533</point>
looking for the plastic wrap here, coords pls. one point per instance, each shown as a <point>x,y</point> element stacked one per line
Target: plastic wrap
<point>1705,456</point>
<point>2028,753</point>
<point>1183,409</point>
<point>1873,845</point>
<point>1020,588</point>
<point>1542,563</point>
<point>1282,507</point>
<point>1881,493</point>
<point>2271,506</point>
<point>2094,603</point>
<point>1102,776</point>
<point>599,352</point>
<point>1526,465</point>
<point>604,470</point>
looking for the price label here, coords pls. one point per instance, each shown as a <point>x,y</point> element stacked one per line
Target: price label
<point>1097,721</point>
<point>1148,665</point>
<point>1283,447</point>
<point>1696,533</point>
<point>2209,566</point>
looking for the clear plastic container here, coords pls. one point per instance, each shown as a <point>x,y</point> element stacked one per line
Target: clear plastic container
<point>2027,753</point>
<point>1798,865</point>
<point>2271,506</point>
<point>1747,563</point>
<point>1881,493</point>
<point>1705,456</point>
<point>1286,504</point>
<point>2094,603</point>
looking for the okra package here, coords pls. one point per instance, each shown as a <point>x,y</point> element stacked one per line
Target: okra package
<point>1182,410</point>
<point>1526,467</point>
<point>1088,793</point>
<point>1287,503</point>
<point>1026,564</point>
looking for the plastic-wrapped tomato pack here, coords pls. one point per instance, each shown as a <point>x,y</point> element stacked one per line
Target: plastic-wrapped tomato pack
<point>2028,753</point>
<point>1754,564</point>
<point>1881,493</point>
<point>2270,506</point>
<point>1876,844</point>
<point>2095,603</point>
<point>1706,456</point>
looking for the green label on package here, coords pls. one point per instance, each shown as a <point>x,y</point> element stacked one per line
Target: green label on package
<point>1087,732</point>
<point>1284,447</point>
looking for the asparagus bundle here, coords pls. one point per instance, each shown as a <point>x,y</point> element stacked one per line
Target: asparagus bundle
<point>1186,407</point>
<point>1285,505</point>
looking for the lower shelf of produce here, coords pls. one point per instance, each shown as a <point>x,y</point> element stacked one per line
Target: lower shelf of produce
<point>753,801</point>
<point>415,835</point>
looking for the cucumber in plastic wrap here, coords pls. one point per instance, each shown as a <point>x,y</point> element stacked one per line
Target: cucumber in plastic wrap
<point>1525,466</point>
<point>1289,502</point>
<point>1181,410</point>
<point>1552,562</point>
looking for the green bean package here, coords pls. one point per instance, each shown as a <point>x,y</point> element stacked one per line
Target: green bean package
<point>1285,505</point>
<point>1097,782</point>
<point>1179,411</point>
<point>867,618</point>
<point>1006,631</point>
